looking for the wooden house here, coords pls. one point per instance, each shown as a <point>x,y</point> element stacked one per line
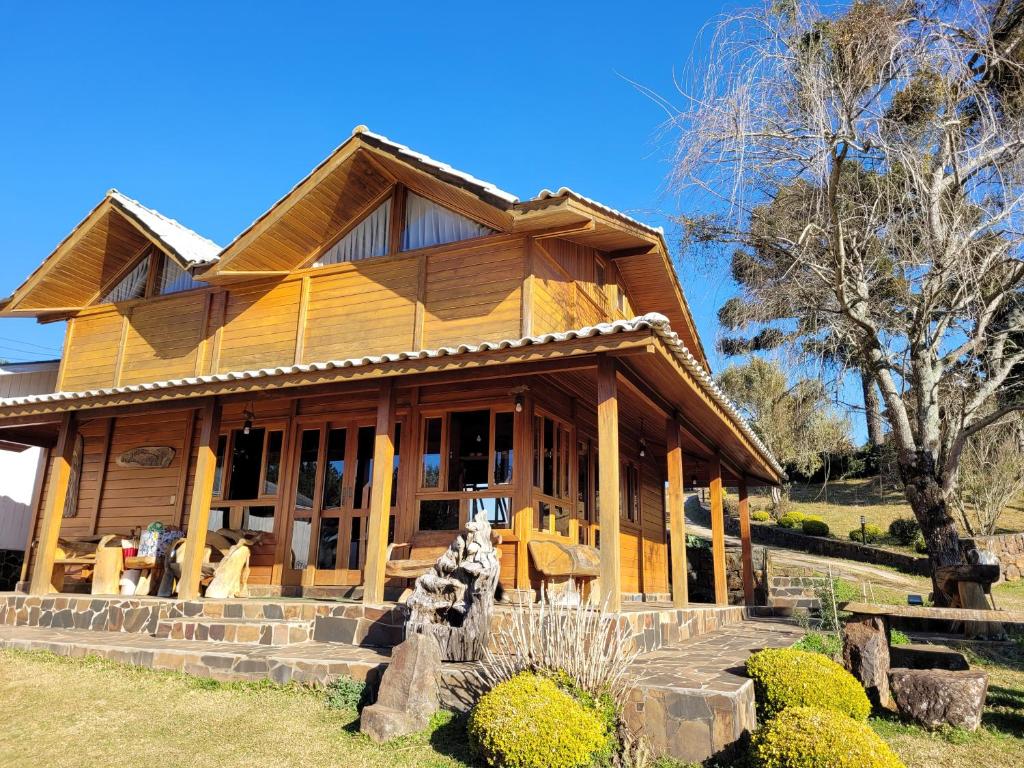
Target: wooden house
<point>391,348</point>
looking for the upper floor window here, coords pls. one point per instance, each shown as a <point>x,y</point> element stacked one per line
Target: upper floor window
<point>170,278</point>
<point>173,278</point>
<point>131,286</point>
<point>365,240</point>
<point>427,224</point>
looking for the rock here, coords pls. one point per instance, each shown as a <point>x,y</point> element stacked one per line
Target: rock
<point>408,693</point>
<point>936,697</point>
<point>866,656</point>
<point>927,656</point>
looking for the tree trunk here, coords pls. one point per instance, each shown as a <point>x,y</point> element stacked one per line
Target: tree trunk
<point>924,492</point>
<point>872,411</point>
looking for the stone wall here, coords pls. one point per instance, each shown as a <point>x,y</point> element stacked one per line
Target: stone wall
<point>10,568</point>
<point>789,593</point>
<point>1008,547</point>
<point>700,565</point>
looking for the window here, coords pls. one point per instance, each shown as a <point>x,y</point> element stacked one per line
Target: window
<point>631,493</point>
<point>273,471</point>
<point>367,239</point>
<point>503,450</point>
<point>309,453</point>
<point>469,440</point>
<point>334,468</point>
<point>246,463</point>
<point>427,223</point>
<point>439,515</point>
<point>432,453</point>
<point>552,475</point>
<point>131,286</point>
<point>174,279</point>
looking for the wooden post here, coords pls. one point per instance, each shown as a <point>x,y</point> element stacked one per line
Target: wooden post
<point>676,516</point>
<point>380,496</point>
<point>57,492</point>
<point>522,488</point>
<point>718,532</point>
<point>608,462</point>
<point>199,510</point>
<point>748,555</point>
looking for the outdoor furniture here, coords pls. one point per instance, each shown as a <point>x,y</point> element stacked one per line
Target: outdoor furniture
<point>409,568</point>
<point>225,568</point>
<point>966,615</point>
<point>148,565</point>
<point>562,565</point>
<point>98,556</point>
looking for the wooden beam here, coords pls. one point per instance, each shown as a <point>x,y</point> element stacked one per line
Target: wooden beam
<point>49,527</point>
<point>101,475</point>
<point>608,462</point>
<point>199,510</point>
<point>300,329</point>
<point>186,459</point>
<point>747,556</point>
<point>380,496</point>
<point>37,497</point>
<point>718,533</point>
<point>522,490</point>
<point>676,514</point>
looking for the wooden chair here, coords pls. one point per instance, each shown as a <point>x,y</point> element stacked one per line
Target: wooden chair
<point>407,568</point>
<point>225,568</point>
<point>98,556</point>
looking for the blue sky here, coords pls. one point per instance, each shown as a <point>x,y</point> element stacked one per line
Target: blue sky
<point>209,112</point>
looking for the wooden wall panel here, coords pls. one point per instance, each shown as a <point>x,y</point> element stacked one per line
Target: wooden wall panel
<point>473,293</point>
<point>655,550</point>
<point>163,339</point>
<point>553,296</point>
<point>260,326</point>
<point>629,553</point>
<point>90,359</point>
<point>362,308</point>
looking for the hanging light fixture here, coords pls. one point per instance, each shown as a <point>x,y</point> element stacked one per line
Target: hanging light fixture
<point>519,403</point>
<point>643,440</point>
<point>249,416</point>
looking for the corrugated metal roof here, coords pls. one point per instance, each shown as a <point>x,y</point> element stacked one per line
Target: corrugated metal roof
<point>655,322</point>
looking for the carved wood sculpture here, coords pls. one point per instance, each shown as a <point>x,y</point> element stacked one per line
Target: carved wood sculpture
<point>453,601</point>
<point>225,567</point>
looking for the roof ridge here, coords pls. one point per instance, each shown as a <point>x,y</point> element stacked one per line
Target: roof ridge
<point>211,248</point>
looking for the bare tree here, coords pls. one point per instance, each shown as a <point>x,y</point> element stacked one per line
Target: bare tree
<point>867,162</point>
<point>990,476</point>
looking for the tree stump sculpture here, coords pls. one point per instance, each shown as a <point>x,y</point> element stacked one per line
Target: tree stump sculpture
<point>453,601</point>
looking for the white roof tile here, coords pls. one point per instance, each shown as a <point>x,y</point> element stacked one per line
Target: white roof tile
<point>191,246</point>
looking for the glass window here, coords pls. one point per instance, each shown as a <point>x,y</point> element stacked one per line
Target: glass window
<point>364,466</point>
<point>301,529</point>
<point>246,463</point>
<point>394,465</point>
<point>631,497</point>
<point>132,285</point>
<point>499,511</point>
<point>427,224</point>
<point>583,479</point>
<point>334,469</point>
<point>327,553</point>
<point>367,239</point>
<point>469,439</point>
<point>439,515</point>
<point>218,471</point>
<point>354,544</point>
<point>219,518</point>
<point>432,453</point>
<point>272,476</point>
<point>309,454</point>
<point>548,462</point>
<point>175,278</point>
<point>561,520</point>
<point>258,519</point>
<point>503,450</point>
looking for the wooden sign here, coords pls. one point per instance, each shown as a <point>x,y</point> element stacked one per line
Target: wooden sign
<point>146,456</point>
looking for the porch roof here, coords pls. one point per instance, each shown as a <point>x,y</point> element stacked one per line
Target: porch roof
<point>465,356</point>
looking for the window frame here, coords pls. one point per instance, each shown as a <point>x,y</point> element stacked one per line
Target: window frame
<point>568,473</point>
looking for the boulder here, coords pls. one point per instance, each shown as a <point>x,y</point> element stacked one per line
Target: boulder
<point>408,693</point>
<point>937,697</point>
<point>866,656</point>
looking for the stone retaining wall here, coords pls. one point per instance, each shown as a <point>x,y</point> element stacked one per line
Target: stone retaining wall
<point>1008,547</point>
<point>10,568</point>
<point>789,593</point>
<point>700,565</point>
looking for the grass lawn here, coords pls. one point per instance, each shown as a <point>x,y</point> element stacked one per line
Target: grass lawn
<point>1009,595</point>
<point>80,712</point>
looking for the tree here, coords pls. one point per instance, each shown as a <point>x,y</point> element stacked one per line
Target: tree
<point>867,163</point>
<point>990,476</point>
<point>795,421</point>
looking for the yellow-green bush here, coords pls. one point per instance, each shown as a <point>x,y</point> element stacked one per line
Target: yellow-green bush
<point>761,516</point>
<point>869,535</point>
<point>814,526</point>
<point>529,722</point>
<point>791,519</point>
<point>786,677</point>
<point>810,737</point>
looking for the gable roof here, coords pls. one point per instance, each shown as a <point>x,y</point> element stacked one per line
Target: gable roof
<point>110,238</point>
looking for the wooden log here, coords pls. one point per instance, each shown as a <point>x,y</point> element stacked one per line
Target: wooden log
<point>44,580</point>
<point>676,514</point>
<point>380,497</point>
<point>718,533</point>
<point>747,553</point>
<point>608,478</point>
<point>199,512</point>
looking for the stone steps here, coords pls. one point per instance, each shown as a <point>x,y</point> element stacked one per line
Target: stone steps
<point>243,631</point>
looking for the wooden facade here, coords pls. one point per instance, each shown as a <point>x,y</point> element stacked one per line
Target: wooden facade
<point>266,379</point>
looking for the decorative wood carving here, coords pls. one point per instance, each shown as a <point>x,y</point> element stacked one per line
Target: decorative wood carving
<point>453,601</point>
<point>146,456</point>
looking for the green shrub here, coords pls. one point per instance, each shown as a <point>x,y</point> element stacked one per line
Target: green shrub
<point>814,526</point>
<point>346,693</point>
<point>785,677</point>
<point>529,722</point>
<point>817,642</point>
<point>830,594</point>
<point>871,534</point>
<point>761,516</point>
<point>809,737</point>
<point>920,545</point>
<point>791,519</point>
<point>898,638</point>
<point>904,530</point>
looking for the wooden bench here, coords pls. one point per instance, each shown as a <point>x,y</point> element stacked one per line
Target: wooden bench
<point>99,557</point>
<point>408,568</point>
<point>225,567</point>
<point>952,615</point>
<point>563,565</point>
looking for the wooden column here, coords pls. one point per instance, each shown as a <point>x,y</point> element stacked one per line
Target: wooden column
<point>199,510</point>
<point>380,496</point>
<point>522,489</point>
<point>718,532</point>
<point>37,497</point>
<point>608,463</point>
<point>676,517</point>
<point>747,555</point>
<point>49,525</point>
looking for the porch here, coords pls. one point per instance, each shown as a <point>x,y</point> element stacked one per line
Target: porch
<point>586,438</point>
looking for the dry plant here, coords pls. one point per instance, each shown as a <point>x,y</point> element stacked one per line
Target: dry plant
<point>991,475</point>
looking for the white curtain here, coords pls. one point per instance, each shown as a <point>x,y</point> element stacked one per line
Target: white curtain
<point>132,285</point>
<point>174,279</point>
<point>369,238</point>
<point>427,223</point>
